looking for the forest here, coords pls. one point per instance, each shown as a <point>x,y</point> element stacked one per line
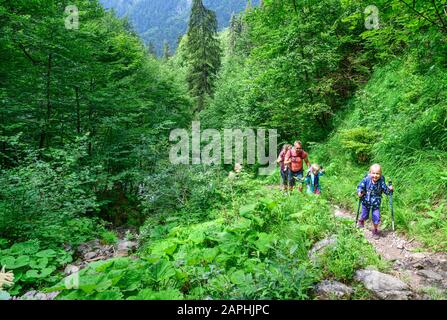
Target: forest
<point>92,206</point>
<point>162,23</point>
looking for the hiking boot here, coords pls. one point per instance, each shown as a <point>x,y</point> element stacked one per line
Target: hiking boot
<point>376,233</point>
<point>361,224</point>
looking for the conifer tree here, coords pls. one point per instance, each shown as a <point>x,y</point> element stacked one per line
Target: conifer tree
<point>204,53</point>
<point>166,51</point>
<point>151,49</point>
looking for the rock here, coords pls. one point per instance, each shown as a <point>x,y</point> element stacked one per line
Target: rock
<point>52,295</point>
<point>90,255</point>
<point>127,245</point>
<point>430,275</point>
<point>40,296</point>
<point>384,286</point>
<point>419,255</point>
<point>443,264</point>
<point>29,295</point>
<point>330,289</point>
<point>320,245</point>
<point>124,247</point>
<point>35,295</point>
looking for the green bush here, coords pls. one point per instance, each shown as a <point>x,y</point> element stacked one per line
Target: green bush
<point>350,253</point>
<point>40,199</point>
<point>109,237</point>
<point>32,265</point>
<point>359,141</point>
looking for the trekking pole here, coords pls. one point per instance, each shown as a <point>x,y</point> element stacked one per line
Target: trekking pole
<point>358,212</point>
<point>391,205</point>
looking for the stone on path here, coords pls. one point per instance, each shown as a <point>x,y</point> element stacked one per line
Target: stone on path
<point>384,286</point>
<point>430,274</point>
<point>333,289</point>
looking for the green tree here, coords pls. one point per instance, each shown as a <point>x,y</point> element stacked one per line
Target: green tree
<point>166,51</point>
<point>204,53</point>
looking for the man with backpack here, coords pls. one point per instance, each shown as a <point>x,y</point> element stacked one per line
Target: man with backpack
<point>294,159</point>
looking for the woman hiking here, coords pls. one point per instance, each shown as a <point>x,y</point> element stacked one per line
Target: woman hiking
<point>284,170</point>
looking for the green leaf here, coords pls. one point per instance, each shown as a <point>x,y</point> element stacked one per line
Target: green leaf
<point>164,247</point>
<point>264,242</point>
<point>49,253</point>
<point>28,247</point>
<point>162,270</point>
<point>30,274</point>
<point>209,254</point>
<point>247,209</point>
<point>37,274</point>
<point>39,264</point>
<point>241,225</point>
<point>108,295</point>
<point>148,294</point>
<point>15,263</point>
<point>197,236</point>
<point>238,277</point>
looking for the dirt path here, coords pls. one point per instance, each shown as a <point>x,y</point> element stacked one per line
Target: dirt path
<point>425,272</point>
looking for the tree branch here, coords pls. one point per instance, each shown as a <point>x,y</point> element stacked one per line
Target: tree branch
<point>419,13</point>
<point>439,15</point>
<point>35,62</point>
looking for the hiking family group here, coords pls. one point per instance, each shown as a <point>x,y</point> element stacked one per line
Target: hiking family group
<point>369,190</point>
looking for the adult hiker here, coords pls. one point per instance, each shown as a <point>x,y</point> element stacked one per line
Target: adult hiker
<point>284,170</point>
<point>370,190</point>
<point>294,159</point>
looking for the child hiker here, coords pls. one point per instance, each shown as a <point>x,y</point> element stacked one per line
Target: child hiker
<point>313,179</point>
<point>370,190</point>
<point>282,167</point>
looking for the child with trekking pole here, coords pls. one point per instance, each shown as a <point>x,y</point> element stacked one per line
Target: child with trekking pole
<point>370,192</point>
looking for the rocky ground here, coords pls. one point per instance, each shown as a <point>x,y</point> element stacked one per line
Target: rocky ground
<point>416,273</point>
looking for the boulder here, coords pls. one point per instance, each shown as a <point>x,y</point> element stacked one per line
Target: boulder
<point>384,286</point>
<point>333,289</point>
<point>90,255</point>
<point>430,274</point>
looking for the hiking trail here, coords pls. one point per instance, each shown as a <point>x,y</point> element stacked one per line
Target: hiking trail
<point>423,271</point>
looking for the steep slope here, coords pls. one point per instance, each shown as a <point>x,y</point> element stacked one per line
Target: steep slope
<point>398,120</point>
